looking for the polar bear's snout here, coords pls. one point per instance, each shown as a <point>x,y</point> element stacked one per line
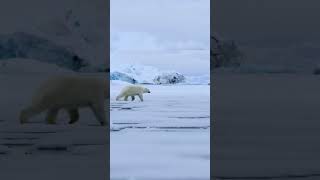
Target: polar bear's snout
<point>146,90</point>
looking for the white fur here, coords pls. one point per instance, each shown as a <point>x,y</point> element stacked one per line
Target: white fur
<point>70,93</point>
<point>132,90</point>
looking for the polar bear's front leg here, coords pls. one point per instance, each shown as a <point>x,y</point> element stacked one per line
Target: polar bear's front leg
<point>98,110</point>
<point>132,98</point>
<point>141,97</point>
<point>74,115</point>
<point>126,98</point>
<point>52,115</point>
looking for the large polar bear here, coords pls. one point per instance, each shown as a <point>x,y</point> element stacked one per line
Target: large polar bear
<point>132,90</point>
<point>69,93</point>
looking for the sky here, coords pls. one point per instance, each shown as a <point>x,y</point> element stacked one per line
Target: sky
<point>283,32</point>
<point>167,34</point>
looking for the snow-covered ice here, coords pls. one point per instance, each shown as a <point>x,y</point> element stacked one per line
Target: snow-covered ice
<point>165,137</point>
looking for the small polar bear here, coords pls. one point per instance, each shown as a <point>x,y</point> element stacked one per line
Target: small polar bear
<point>69,93</point>
<point>132,90</point>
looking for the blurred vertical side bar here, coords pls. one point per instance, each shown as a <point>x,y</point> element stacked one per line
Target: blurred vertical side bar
<point>212,91</point>
<point>54,76</point>
<point>107,54</point>
<point>265,89</point>
<point>107,109</point>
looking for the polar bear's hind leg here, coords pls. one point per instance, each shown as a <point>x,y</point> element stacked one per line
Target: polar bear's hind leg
<point>52,115</point>
<point>126,98</point>
<point>98,110</point>
<point>74,115</point>
<point>132,98</point>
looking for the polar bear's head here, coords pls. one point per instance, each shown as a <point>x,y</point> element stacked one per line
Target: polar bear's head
<point>146,90</point>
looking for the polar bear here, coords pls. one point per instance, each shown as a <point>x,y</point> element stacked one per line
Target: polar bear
<point>69,93</point>
<point>132,90</point>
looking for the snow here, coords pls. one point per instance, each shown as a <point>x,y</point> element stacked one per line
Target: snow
<point>203,79</point>
<point>167,136</point>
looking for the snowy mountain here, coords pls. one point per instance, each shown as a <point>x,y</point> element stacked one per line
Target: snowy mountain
<point>151,75</point>
<point>140,73</point>
<point>83,33</point>
<point>69,36</point>
<point>28,46</point>
<point>144,74</point>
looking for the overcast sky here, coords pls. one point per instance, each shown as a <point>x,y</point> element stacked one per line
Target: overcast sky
<point>166,27</point>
